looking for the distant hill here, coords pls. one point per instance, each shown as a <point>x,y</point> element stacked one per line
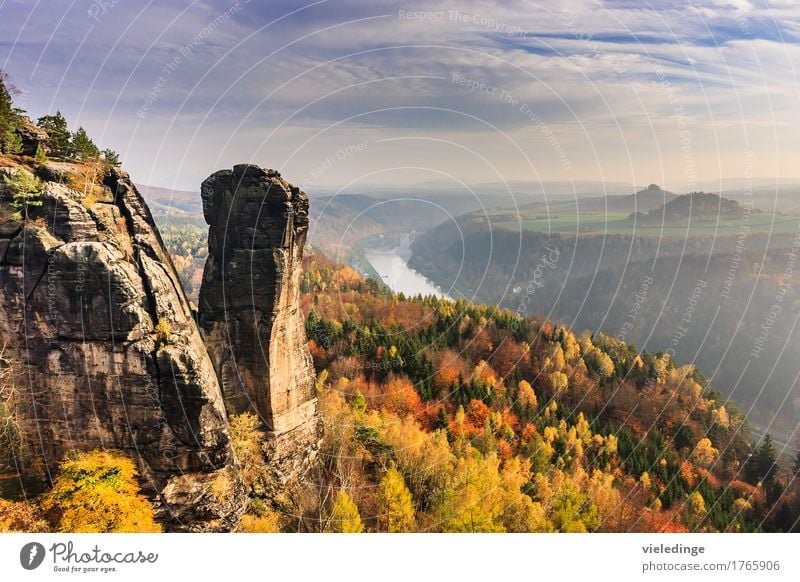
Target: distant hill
<point>168,201</point>
<point>590,278</point>
<point>694,207</point>
<point>644,200</point>
<point>343,223</point>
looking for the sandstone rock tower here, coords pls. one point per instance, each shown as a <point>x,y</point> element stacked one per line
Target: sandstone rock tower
<point>110,355</point>
<point>249,307</point>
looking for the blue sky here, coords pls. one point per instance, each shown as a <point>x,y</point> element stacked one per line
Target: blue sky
<point>671,92</point>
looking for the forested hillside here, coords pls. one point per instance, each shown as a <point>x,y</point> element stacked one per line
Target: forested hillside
<point>443,416</point>
<point>705,295</point>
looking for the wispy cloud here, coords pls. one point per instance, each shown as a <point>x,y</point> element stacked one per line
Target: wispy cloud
<point>182,88</point>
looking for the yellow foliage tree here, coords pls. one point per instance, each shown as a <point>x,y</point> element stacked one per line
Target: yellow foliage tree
<point>695,511</point>
<point>704,453</point>
<point>526,396</point>
<point>572,511</point>
<point>246,439</point>
<point>483,497</point>
<point>473,502</point>
<point>559,382</point>
<point>721,417</point>
<point>344,515</point>
<point>269,522</point>
<point>557,360</point>
<point>395,505</point>
<point>97,492</point>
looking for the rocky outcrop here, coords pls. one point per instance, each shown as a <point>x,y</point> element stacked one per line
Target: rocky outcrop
<point>249,307</point>
<point>110,354</point>
<point>32,137</point>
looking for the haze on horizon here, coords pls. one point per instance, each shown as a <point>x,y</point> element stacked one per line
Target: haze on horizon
<point>337,92</point>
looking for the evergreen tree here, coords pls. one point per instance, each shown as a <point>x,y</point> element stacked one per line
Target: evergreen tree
<point>110,157</point>
<point>83,147</point>
<point>10,142</point>
<point>762,467</point>
<point>25,190</point>
<point>58,137</point>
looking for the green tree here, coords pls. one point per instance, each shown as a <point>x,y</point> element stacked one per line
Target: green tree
<point>110,157</point>
<point>58,136</point>
<point>573,511</point>
<point>97,492</point>
<point>344,515</point>
<point>25,190</point>
<point>395,505</point>
<point>41,156</point>
<point>10,142</point>
<point>83,147</point>
<point>359,403</point>
<point>762,467</point>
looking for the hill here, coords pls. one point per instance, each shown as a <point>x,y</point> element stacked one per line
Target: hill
<point>594,282</point>
<point>491,422</point>
<point>695,207</point>
<point>169,201</point>
<point>644,200</point>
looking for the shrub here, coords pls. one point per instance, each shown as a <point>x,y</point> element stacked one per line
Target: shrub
<point>246,439</point>
<point>163,331</point>
<point>97,492</point>
<point>269,522</point>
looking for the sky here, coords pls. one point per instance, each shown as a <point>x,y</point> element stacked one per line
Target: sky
<point>349,93</point>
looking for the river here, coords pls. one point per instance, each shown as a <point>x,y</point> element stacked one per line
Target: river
<point>398,276</point>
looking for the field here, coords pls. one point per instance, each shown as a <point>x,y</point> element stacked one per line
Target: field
<point>621,223</point>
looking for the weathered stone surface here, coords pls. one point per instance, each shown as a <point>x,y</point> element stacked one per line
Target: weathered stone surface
<point>249,307</point>
<point>82,288</point>
<point>53,172</point>
<point>32,136</point>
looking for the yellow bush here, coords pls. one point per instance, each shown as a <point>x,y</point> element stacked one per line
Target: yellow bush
<point>97,492</point>
<point>246,438</point>
<point>163,331</point>
<point>267,523</point>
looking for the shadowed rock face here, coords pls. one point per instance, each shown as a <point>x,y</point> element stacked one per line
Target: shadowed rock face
<point>249,306</point>
<point>80,301</point>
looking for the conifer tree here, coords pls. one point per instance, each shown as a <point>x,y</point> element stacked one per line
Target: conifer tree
<point>344,515</point>
<point>395,504</point>
<point>83,147</point>
<point>10,142</point>
<point>762,465</point>
<point>58,136</point>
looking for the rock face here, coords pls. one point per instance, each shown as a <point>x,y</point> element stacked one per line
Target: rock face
<point>32,137</point>
<point>110,354</point>
<point>249,307</point>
